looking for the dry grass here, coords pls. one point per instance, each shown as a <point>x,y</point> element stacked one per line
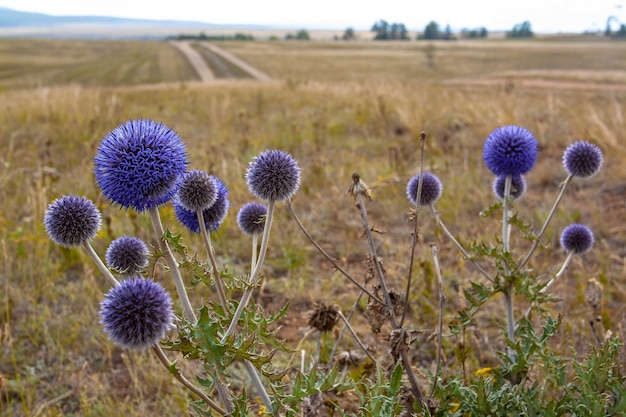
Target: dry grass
<point>345,108</point>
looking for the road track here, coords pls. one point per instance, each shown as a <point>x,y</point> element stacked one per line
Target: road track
<point>202,69</point>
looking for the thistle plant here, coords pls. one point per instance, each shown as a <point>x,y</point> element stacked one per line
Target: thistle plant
<point>142,165</point>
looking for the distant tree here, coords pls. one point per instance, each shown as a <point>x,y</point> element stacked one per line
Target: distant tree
<point>381,28</point>
<point>448,35</point>
<point>521,30</point>
<point>480,32</point>
<point>393,31</point>
<point>301,35</point>
<point>348,35</point>
<point>431,31</point>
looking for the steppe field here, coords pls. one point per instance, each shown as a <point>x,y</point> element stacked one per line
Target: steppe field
<point>338,108</point>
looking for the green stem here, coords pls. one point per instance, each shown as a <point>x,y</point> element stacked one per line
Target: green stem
<point>217,279</point>
<point>101,266</point>
<point>564,185</point>
<point>456,243</point>
<point>245,298</point>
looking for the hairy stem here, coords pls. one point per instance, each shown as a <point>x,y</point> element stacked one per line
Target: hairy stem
<point>508,293</point>
<point>442,299</point>
<point>101,266</point>
<point>206,237</point>
<point>172,264</point>
<point>415,228</point>
<point>185,382</point>
<point>245,298</point>
<point>456,243</point>
<point>329,258</point>
<point>564,185</point>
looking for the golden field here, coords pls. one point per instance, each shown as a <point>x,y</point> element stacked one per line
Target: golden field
<point>338,108</point>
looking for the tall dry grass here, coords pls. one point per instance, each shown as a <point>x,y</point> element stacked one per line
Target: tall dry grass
<point>56,361</point>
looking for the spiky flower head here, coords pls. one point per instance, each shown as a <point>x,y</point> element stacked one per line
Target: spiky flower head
<point>72,220</point>
<point>213,216</point>
<point>518,186</point>
<point>251,218</point>
<point>273,175</point>
<point>431,189</point>
<point>510,150</point>
<point>577,238</point>
<point>138,164</point>
<point>136,313</point>
<point>127,255</point>
<point>582,159</point>
<point>197,190</point>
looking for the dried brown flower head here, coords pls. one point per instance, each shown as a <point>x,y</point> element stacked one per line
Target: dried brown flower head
<point>323,317</point>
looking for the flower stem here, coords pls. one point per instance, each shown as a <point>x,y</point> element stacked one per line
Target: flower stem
<point>356,337</point>
<point>508,293</point>
<point>456,243</point>
<point>185,382</point>
<point>206,237</point>
<point>105,271</point>
<point>415,228</point>
<point>221,295</point>
<point>329,258</point>
<point>442,299</point>
<point>172,264</point>
<point>245,298</point>
<point>556,276</point>
<point>564,185</point>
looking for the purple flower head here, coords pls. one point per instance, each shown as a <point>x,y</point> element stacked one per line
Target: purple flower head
<point>518,186</point>
<point>431,189</point>
<point>72,220</point>
<point>127,255</point>
<point>213,216</point>
<point>138,164</point>
<point>577,238</point>
<point>197,190</point>
<point>510,150</point>
<point>273,175</point>
<point>251,218</point>
<point>582,159</point>
<point>136,313</point>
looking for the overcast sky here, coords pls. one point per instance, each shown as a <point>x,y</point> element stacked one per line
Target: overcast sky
<point>544,15</point>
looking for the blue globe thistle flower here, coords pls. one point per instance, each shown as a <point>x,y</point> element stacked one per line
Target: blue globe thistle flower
<point>136,313</point>
<point>127,255</point>
<point>431,189</point>
<point>213,216</point>
<point>577,238</point>
<point>197,190</point>
<point>72,220</point>
<point>582,159</point>
<point>251,218</point>
<point>518,186</point>
<point>510,150</point>
<point>138,164</point>
<point>273,175</point>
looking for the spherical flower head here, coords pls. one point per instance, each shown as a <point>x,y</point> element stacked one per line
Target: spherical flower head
<point>213,216</point>
<point>431,189</point>
<point>582,159</point>
<point>251,218</point>
<point>72,220</point>
<point>577,238</point>
<point>510,150</point>
<point>273,175</point>
<point>518,186</point>
<point>127,255</point>
<point>136,313</point>
<point>138,164</point>
<point>197,190</point>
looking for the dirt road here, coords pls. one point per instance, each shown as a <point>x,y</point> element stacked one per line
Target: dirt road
<point>202,69</point>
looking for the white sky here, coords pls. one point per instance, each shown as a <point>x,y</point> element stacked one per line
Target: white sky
<point>544,15</point>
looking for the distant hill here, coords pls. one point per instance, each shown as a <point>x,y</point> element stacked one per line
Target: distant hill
<point>17,23</point>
